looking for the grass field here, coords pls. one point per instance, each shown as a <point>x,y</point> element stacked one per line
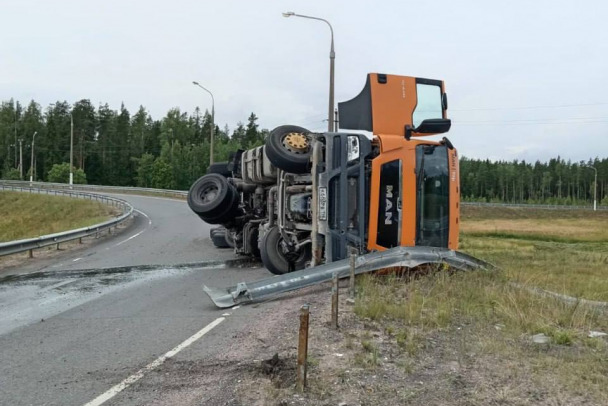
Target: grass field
<point>565,251</point>
<point>26,215</point>
<point>483,323</point>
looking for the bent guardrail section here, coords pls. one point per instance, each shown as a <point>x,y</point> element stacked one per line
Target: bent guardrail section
<point>29,244</point>
<point>408,257</point>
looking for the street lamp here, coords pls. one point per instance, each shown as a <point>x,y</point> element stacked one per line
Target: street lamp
<point>595,187</point>
<point>32,160</point>
<point>332,58</point>
<point>71,149</point>
<point>212,120</point>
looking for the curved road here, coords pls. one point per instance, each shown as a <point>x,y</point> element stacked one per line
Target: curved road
<point>77,335</point>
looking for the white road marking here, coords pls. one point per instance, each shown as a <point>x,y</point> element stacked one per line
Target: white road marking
<point>138,234</point>
<point>145,215</point>
<point>115,390</point>
<point>76,259</point>
<point>130,238</point>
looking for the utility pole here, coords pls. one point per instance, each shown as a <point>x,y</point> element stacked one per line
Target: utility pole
<point>15,108</point>
<point>32,160</point>
<point>336,120</point>
<point>594,186</point>
<point>20,158</point>
<point>71,149</point>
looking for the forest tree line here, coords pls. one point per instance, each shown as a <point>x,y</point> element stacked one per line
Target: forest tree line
<point>115,147</point>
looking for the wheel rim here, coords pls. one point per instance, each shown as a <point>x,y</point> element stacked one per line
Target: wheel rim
<point>288,256</point>
<point>296,143</point>
<point>209,193</point>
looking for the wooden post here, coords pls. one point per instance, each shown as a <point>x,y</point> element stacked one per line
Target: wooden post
<point>80,240</point>
<point>31,253</point>
<point>351,280</point>
<point>334,301</point>
<point>302,348</point>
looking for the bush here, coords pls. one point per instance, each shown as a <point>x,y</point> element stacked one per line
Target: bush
<point>11,174</point>
<point>60,173</point>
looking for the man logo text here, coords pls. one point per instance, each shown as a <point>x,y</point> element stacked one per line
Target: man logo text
<point>388,214</point>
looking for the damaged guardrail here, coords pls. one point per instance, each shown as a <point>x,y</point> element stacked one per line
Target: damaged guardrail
<point>408,257</point>
<point>29,244</point>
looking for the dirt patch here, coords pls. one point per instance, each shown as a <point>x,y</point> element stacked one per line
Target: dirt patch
<point>369,362</point>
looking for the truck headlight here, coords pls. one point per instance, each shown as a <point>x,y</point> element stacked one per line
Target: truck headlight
<point>352,147</point>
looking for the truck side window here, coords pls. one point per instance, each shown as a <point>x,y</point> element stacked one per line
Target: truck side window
<point>429,103</point>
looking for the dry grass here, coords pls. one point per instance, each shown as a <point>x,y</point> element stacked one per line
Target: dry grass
<point>27,215</point>
<point>564,251</point>
<point>483,323</point>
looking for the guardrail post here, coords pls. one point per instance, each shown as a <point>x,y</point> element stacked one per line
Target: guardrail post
<point>302,348</point>
<point>334,301</point>
<point>80,240</point>
<point>351,279</point>
<point>31,253</point>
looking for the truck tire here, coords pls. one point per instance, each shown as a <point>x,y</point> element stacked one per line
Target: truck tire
<point>213,199</point>
<point>288,148</point>
<point>218,237</point>
<point>274,258</point>
<point>220,168</point>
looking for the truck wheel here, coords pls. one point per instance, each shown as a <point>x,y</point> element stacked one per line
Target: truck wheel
<point>218,237</point>
<point>276,259</point>
<point>288,148</point>
<point>213,199</point>
<point>220,168</point>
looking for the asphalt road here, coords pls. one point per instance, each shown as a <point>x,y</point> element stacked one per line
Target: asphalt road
<point>72,331</point>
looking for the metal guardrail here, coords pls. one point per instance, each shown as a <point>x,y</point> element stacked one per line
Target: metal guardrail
<point>29,244</point>
<point>115,189</point>
<point>534,206</point>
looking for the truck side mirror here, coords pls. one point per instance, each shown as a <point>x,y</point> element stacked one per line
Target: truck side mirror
<point>429,126</point>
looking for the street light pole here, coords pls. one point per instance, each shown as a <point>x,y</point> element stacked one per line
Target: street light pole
<point>15,108</point>
<point>71,149</point>
<point>594,187</point>
<point>20,158</point>
<point>212,120</point>
<point>332,59</point>
<point>32,159</point>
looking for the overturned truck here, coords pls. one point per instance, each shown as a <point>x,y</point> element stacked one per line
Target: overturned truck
<point>305,199</point>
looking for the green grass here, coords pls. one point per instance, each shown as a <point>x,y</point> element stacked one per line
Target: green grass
<point>565,251</point>
<point>482,313</point>
<point>487,314</point>
<point>26,215</point>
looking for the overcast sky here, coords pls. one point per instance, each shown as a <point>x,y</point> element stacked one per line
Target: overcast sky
<point>525,79</point>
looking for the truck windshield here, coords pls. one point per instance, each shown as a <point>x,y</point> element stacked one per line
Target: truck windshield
<point>432,200</point>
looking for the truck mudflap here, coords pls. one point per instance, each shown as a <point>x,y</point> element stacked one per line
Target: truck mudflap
<point>408,257</point>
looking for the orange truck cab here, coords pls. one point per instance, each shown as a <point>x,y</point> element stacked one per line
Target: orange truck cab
<point>414,192</point>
